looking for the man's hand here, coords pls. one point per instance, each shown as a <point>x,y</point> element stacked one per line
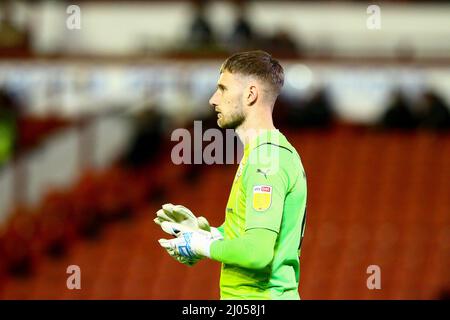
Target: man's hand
<point>189,244</point>
<point>184,220</point>
<point>175,229</point>
<point>181,259</point>
<point>182,215</point>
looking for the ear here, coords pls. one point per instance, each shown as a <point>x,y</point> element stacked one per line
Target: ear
<point>251,95</point>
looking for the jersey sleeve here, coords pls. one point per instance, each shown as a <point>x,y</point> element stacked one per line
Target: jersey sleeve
<point>253,250</point>
<point>265,183</point>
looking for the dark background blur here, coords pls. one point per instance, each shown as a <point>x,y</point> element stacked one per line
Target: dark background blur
<point>86,116</point>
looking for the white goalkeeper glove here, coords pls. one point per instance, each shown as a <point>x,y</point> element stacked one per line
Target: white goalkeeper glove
<point>181,215</point>
<point>185,217</point>
<point>189,244</point>
<point>187,261</point>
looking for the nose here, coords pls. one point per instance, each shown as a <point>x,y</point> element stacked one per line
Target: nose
<point>212,100</point>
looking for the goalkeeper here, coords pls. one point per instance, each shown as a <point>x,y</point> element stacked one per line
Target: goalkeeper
<point>259,242</point>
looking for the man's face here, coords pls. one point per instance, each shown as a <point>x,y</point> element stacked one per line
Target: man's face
<point>228,101</point>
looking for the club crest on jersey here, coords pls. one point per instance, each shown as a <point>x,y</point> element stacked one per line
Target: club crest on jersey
<point>262,197</point>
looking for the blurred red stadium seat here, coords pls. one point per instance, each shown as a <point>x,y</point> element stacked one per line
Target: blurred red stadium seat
<point>374,198</point>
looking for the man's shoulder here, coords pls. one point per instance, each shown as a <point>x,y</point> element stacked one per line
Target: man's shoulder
<point>273,158</point>
<point>277,146</point>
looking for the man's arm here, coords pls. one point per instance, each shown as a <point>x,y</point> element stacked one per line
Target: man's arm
<point>253,250</point>
<point>265,185</point>
<point>264,195</point>
<point>221,229</point>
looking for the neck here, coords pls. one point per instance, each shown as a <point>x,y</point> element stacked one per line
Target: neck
<point>254,125</point>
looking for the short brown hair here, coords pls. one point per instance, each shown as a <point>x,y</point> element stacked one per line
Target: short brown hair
<point>259,64</point>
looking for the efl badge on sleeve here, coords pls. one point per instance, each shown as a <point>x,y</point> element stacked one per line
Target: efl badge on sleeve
<point>262,197</point>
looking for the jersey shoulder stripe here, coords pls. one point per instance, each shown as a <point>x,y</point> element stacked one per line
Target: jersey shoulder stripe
<point>273,144</point>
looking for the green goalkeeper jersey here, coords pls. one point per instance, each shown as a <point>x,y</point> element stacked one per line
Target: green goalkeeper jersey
<point>268,192</point>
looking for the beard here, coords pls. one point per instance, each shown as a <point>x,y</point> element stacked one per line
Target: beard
<point>232,120</point>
